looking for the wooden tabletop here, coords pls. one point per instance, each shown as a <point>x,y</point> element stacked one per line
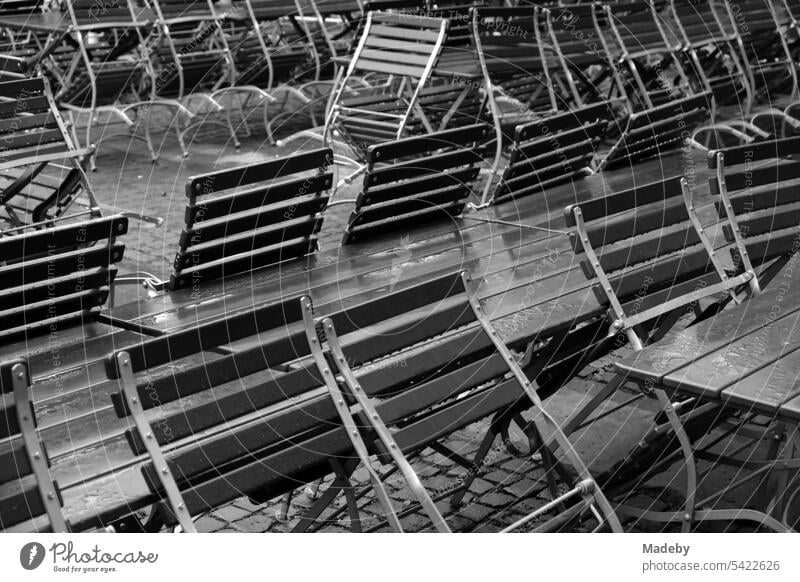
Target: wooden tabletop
<point>747,356</point>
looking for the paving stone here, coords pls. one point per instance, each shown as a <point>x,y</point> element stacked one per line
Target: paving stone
<point>247,505</point>
<point>499,476</point>
<point>230,513</point>
<point>496,499</point>
<point>475,512</point>
<point>518,465</point>
<point>523,488</point>
<point>255,522</point>
<point>209,524</point>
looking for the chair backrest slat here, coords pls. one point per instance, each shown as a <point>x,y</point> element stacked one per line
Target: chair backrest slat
<point>252,216</point>
<point>60,272</point>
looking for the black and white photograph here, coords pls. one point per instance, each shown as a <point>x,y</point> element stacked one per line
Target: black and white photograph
<point>400,266</point>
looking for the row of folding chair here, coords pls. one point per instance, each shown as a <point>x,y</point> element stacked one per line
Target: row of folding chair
<point>757,213</point>
<point>190,57</point>
<point>215,449</point>
<point>647,255</point>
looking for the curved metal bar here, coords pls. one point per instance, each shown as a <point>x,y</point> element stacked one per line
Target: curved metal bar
<point>541,414</point>
<point>346,417</point>
<point>411,477</point>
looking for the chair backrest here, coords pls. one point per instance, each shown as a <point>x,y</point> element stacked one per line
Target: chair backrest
<point>30,125</point>
<point>653,131</point>
<point>29,498</point>
<point>52,276</point>
<point>404,48</point>
<point>96,15</point>
<point>394,44</point>
<point>553,150</point>
<point>252,216</point>
<point>759,191</point>
<point>416,179</point>
<point>113,62</point>
<point>42,170</point>
<point>173,11</point>
<point>647,253</point>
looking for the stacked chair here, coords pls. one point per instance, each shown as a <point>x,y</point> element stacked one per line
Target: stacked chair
<point>664,109</point>
<point>107,71</point>
<point>43,171</point>
<point>709,49</point>
<point>269,53</point>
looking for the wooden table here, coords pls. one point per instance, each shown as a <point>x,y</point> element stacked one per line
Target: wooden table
<point>748,358</point>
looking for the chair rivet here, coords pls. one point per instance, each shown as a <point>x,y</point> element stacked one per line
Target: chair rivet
<point>24,417</point>
<point>180,506</point>
<point>51,495</point>
<point>164,470</point>
<point>20,374</point>
<point>134,400</point>
<point>149,435</point>
<point>36,455</point>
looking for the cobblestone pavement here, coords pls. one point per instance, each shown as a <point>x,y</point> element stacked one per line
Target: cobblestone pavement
<point>506,488</point>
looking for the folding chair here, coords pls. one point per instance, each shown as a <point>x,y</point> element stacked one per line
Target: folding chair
<point>192,65</point>
<point>18,55</point>
<point>405,49</point>
<point>760,224</point>
<point>30,500</point>
<point>227,422</point>
<point>788,16</point>
<point>44,171</point>
<point>710,52</point>
<point>766,55</point>
<point>515,71</point>
<point>663,107</point>
<point>652,262</point>
<point>410,392</point>
<point>585,72</point>
<point>757,188</point>
<point>416,179</point>
<point>269,54</point>
<point>107,73</point>
<point>55,276</point>
<point>249,217</point>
